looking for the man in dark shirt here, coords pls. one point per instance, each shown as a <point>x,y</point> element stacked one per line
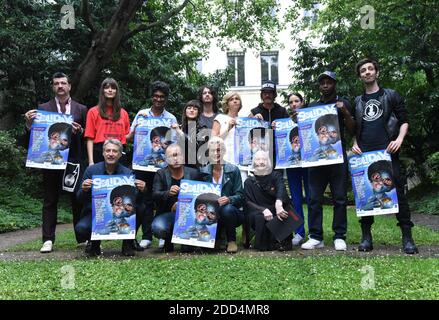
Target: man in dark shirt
<point>381,123</point>
<point>268,110</point>
<point>165,192</point>
<point>336,175</point>
<point>112,152</point>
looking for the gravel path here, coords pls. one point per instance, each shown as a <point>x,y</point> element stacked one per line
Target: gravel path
<point>19,237</point>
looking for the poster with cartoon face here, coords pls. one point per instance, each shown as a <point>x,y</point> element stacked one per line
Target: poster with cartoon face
<point>113,207</point>
<point>196,218</point>
<point>373,184</point>
<point>153,135</point>
<point>287,141</point>
<point>319,134</point>
<point>251,135</point>
<point>50,138</point>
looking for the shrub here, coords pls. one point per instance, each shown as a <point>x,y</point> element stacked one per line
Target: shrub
<point>433,168</point>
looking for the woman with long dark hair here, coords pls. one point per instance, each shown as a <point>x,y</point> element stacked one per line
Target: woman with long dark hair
<point>107,120</point>
<point>189,133</point>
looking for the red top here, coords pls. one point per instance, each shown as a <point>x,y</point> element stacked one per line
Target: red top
<point>99,129</point>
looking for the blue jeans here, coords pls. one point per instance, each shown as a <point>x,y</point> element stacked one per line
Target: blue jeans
<point>336,176</point>
<point>230,218</point>
<point>295,178</point>
<point>163,225</point>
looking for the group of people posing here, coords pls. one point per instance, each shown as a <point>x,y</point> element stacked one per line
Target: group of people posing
<point>377,120</point>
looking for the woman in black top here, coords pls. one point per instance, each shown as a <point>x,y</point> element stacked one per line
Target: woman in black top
<point>266,195</point>
<point>190,134</point>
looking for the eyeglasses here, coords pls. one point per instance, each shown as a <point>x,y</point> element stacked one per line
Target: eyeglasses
<point>159,96</point>
<point>376,177</point>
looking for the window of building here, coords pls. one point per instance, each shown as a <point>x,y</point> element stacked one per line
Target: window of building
<point>235,61</point>
<point>270,66</point>
<point>199,65</point>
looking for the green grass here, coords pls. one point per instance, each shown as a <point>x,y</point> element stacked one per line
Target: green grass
<point>385,232</point>
<point>221,276</point>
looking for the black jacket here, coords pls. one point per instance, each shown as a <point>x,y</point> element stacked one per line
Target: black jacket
<point>394,112</point>
<point>278,112</point>
<point>162,184</point>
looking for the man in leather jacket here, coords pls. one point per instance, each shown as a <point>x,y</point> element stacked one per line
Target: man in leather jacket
<point>381,123</point>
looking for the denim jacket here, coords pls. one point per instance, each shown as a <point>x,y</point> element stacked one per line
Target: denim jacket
<point>231,184</point>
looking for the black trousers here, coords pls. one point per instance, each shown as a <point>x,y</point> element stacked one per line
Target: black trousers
<point>52,185</point>
<point>264,239</point>
<point>403,216</point>
<point>336,176</point>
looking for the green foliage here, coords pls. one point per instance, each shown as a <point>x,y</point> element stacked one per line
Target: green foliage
<point>424,198</point>
<point>433,168</point>
<point>19,210</point>
<point>404,44</point>
<point>20,189</point>
<point>9,151</point>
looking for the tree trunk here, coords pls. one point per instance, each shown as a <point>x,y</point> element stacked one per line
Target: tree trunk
<point>104,44</point>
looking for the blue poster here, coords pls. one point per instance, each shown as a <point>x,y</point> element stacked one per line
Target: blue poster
<point>373,184</point>
<point>153,135</point>
<point>113,207</point>
<point>287,141</point>
<point>50,137</point>
<point>251,135</point>
<point>197,214</point>
<point>319,134</point>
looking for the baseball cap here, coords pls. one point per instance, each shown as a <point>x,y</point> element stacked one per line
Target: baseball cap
<point>327,74</point>
<point>268,86</point>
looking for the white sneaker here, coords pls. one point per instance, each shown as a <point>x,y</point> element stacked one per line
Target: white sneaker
<point>312,244</point>
<point>297,239</point>
<point>47,247</point>
<point>161,243</point>
<point>340,245</point>
<point>145,244</point>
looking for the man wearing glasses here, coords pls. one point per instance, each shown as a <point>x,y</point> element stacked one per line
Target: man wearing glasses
<point>160,93</point>
<point>336,175</point>
<point>382,123</point>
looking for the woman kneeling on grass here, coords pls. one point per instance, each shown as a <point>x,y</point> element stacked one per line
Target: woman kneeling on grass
<point>266,194</point>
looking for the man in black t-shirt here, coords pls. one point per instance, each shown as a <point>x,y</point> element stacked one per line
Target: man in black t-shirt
<point>381,123</point>
<point>336,175</point>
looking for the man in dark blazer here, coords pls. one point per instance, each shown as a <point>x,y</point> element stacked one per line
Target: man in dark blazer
<point>165,190</point>
<point>52,179</point>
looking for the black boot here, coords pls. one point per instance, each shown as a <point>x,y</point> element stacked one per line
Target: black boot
<point>169,246</point>
<point>127,248</point>
<point>408,245</point>
<point>366,238</point>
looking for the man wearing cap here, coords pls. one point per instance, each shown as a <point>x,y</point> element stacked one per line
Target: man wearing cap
<point>112,151</point>
<point>268,110</point>
<point>53,179</point>
<point>382,123</point>
<point>336,175</point>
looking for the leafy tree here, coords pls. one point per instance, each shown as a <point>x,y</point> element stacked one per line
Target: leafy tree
<point>403,36</point>
<point>136,42</point>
